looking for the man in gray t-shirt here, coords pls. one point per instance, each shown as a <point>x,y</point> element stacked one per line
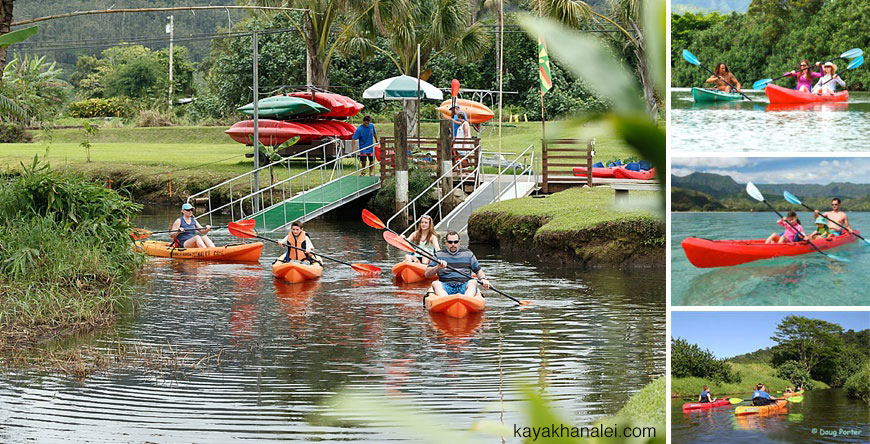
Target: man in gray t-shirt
<point>449,281</point>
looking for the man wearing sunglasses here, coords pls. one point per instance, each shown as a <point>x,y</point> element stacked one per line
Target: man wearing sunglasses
<point>838,216</point>
<point>462,259</point>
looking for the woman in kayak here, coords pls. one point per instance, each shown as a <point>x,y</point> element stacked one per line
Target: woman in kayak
<point>761,397</point>
<point>723,77</point>
<point>794,232</point>
<point>805,76</point>
<point>184,231</point>
<point>828,83</point>
<point>822,231</point>
<point>424,237</point>
<point>302,247</point>
<point>706,396</point>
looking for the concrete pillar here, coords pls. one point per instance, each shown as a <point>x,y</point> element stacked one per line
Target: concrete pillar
<point>400,130</point>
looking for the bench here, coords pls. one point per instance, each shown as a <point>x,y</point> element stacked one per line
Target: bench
<point>622,189</point>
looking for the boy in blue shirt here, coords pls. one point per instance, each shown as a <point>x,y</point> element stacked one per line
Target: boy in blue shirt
<point>366,136</point>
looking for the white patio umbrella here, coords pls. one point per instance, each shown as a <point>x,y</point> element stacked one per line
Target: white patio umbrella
<point>402,88</point>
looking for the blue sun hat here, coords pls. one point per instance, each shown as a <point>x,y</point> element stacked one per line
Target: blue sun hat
<point>187,206</point>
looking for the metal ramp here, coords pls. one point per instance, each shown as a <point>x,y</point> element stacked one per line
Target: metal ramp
<point>298,197</point>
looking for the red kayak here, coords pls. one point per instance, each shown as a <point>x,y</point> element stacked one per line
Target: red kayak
<point>705,253</point>
<point>276,132</point>
<point>596,171</point>
<point>705,405</point>
<point>778,94</point>
<point>622,173</point>
<point>339,106</point>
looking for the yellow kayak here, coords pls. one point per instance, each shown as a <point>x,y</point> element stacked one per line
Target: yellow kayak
<point>234,252</point>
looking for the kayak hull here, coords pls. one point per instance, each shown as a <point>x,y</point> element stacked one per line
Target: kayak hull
<point>275,132</point>
<point>339,106</point>
<point>476,111</point>
<point>454,305</point>
<point>760,409</point>
<point>411,272</point>
<point>596,171</point>
<point>284,106</point>
<point>622,173</point>
<point>235,252</point>
<point>711,95</point>
<point>296,272</point>
<point>777,94</point>
<point>706,253</point>
<point>689,406</point>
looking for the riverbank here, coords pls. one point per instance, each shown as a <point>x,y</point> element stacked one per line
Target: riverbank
<point>750,374</point>
<point>578,226</point>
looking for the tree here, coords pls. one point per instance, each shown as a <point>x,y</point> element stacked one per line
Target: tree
<point>35,86</point>
<point>805,341</point>
<point>5,28</point>
<point>689,360</point>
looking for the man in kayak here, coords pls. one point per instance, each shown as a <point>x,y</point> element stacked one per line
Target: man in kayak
<point>761,397</point>
<point>706,396</point>
<point>462,259</point>
<point>302,243</point>
<point>366,137</point>
<point>185,228</point>
<point>835,215</point>
<point>723,77</point>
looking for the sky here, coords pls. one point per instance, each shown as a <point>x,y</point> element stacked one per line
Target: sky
<point>733,333</point>
<point>778,170</point>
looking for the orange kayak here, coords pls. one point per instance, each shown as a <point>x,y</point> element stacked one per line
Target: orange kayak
<point>454,305</point>
<point>411,272</point>
<point>760,409</point>
<point>234,252</point>
<point>296,272</point>
<point>476,111</point>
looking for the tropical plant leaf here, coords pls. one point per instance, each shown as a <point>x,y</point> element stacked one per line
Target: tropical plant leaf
<point>16,36</point>
<point>655,29</point>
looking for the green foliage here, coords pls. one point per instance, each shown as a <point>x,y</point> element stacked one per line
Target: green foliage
<point>88,132</point>
<point>13,133</point>
<point>689,360</point>
<point>748,375</point>
<point>858,385</point>
<point>806,341</point>
<point>111,107</point>
<point>136,79</point>
<point>35,87</point>
<point>384,201</point>
<point>770,39</point>
<point>796,374</point>
<point>648,405</point>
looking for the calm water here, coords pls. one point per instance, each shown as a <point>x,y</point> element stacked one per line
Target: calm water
<point>809,279</point>
<point>824,416</point>
<point>760,126</point>
<point>592,338</point>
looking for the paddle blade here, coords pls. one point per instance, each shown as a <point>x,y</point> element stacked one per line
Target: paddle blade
<point>761,84</point>
<point>791,198</point>
<point>140,233</point>
<point>735,400</point>
<point>397,241</point>
<point>689,57</point>
<point>371,220</point>
<point>795,399</point>
<point>837,258</point>
<point>753,192</point>
<point>246,223</point>
<point>852,53</point>
<point>241,231</point>
<point>856,63</point>
<point>366,268</point>
<point>454,88</point>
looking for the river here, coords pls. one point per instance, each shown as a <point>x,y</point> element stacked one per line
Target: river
<point>760,126</point>
<point>824,416</point>
<point>809,279</point>
<point>273,353</point>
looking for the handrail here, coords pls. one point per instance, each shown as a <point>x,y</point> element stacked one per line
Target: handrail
<point>412,203</point>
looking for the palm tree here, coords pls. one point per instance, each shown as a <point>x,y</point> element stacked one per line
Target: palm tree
<point>624,15</point>
<point>35,87</point>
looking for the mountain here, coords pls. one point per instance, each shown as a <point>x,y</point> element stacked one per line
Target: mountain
<point>688,200</point>
<point>724,6</point>
<point>715,185</point>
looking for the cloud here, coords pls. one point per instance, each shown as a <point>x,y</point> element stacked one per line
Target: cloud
<point>730,162</point>
<point>778,170</point>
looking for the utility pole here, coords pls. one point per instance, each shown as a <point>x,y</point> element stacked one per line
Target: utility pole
<point>256,124</point>
<point>170,28</point>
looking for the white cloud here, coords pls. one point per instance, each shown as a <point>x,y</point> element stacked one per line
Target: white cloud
<point>706,161</point>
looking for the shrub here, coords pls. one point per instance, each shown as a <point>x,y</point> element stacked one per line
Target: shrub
<point>858,385</point>
<point>689,360</point>
<point>794,373</point>
<point>13,133</point>
<point>152,117</point>
<point>111,107</point>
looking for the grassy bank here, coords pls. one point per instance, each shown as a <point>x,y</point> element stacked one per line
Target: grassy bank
<point>648,405</point>
<point>750,374</point>
<point>578,225</point>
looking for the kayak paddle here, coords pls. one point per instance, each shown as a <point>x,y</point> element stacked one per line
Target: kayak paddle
<point>141,233</point>
<point>792,399</point>
<point>791,198</point>
<point>689,57</point>
<point>243,232</point>
<point>852,65</point>
<point>850,54</point>
<point>735,400</point>
<point>755,193</point>
<point>395,240</point>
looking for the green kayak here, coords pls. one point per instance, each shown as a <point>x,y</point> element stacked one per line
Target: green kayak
<point>285,106</point>
<point>712,95</point>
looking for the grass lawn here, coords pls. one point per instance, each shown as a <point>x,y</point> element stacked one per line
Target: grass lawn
<point>750,374</point>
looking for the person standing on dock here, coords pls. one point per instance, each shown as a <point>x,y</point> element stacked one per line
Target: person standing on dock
<point>462,259</point>
<point>366,137</point>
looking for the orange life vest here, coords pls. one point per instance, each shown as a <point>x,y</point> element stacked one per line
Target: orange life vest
<point>296,255</point>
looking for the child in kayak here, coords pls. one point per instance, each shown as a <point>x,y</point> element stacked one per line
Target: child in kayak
<point>723,77</point>
<point>828,83</point>
<point>706,396</point>
<point>761,397</point>
<point>804,76</point>
<point>822,231</point>
<point>794,232</point>
<point>424,237</point>
<point>303,246</point>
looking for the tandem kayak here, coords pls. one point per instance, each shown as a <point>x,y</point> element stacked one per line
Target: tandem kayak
<point>760,409</point>
<point>234,252</point>
<point>454,305</point>
<point>296,272</point>
<point>778,94</point>
<point>706,253</point>
<point>411,272</point>
<point>705,405</point>
<point>623,173</point>
<point>714,95</point>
